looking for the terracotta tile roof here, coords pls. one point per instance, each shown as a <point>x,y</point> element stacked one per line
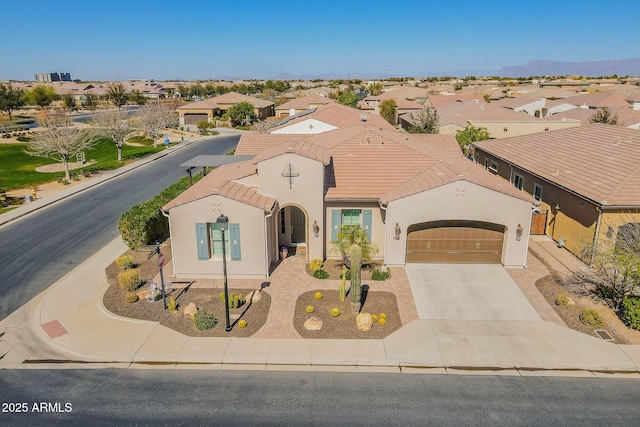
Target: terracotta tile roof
<point>401,103</point>
<point>438,101</point>
<point>254,143</point>
<point>200,105</point>
<point>596,100</point>
<point>518,100</point>
<point>222,181</point>
<point>581,114</point>
<point>599,162</point>
<point>297,146</point>
<point>409,92</point>
<point>475,111</point>
<point>305,103</point>
<point>339,116</point>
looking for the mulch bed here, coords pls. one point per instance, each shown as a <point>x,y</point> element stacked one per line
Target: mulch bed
<point>208,299</point>
<point>334,268</point>
<point>344,326</point>
<point>550,288</point>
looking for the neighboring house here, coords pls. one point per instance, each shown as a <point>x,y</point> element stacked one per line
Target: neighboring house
<point>592,101</point>
<point>587,180</point>
<point>416,202</point>
<point>207,109</point>
<point>438,101</point>
<point>371,104</point>
<point>298,105</point>
<point>326,118</point>
<point>499,122</point>
<point>531,104</point>
<point>626,117</point>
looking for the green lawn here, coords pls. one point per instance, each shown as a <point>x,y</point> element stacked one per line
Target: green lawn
<point>18,169</point>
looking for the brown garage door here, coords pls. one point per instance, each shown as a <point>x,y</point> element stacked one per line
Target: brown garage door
<point>193,119</point>
<point>455,242</point>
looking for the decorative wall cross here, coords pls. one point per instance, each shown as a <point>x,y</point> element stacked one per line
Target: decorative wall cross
<point>290,173</point>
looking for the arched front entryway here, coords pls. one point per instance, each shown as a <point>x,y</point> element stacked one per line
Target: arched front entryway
<point>292,227</point>
<point>455,242</point>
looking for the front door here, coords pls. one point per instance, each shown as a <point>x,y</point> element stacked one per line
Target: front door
<point>298,225</point>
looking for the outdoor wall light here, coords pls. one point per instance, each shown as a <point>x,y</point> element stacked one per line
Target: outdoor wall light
<point>519,230</point>
<point>557,207</point>
<point>397,232</point>
<point>316,229</point>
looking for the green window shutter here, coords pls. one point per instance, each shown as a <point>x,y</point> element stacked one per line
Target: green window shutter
<point>234,241</point>
<point>366,222</point>
<point>202,241</point>
<point>336,222</point>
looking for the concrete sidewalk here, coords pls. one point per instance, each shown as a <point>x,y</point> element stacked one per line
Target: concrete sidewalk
<point>67,326</point>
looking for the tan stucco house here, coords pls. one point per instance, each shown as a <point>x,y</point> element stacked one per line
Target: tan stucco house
<point>587,180</point>
<point>207,109</point>
<point>418,200</point>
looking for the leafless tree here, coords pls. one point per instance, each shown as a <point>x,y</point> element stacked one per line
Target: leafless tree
<point>60,139</point>
<point>115,125</point>
<point>153,118</point>
<point>263,126</point>
<point>615,267</point>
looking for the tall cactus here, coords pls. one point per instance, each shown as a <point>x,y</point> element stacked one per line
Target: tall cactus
<point>356,267</point>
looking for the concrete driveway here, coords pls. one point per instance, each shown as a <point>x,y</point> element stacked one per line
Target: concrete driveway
<point>467,292</point>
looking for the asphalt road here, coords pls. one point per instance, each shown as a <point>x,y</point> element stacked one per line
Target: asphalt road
<point>228,398</point>
<point>41,248</point>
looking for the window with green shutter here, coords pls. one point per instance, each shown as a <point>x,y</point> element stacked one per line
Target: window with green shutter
<point>351,217</point>
<point>216,240</point>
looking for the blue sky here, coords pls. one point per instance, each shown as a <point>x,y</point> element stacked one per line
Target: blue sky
<point>200,39</point>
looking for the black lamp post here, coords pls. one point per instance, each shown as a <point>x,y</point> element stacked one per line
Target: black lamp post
<point>222,222</point>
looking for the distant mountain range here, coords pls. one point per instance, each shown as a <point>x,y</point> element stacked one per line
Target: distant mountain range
<point>541,67</point>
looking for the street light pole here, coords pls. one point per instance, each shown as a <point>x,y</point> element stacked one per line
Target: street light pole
<point>222,222</point>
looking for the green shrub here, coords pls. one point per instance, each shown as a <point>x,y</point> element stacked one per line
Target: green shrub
<point>205,124</point>
<point>23,139</point>
<point>320,274</point>
<point>131,297</point>
<point>129,279</point>
<point>379,275</point>
<point>562,301</point>
<point>203,320</point>
<point>591,318</point>
<point>144,224</point>
<point>243,127</point>
<point>125,262</point>
<point>631,312</point>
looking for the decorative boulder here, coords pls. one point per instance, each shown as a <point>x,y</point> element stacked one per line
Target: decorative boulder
<point>364,321</point>
<point>313,324</point>
<point>190,310</point>
<point>570,301</point>
<point>253,296</point>
<point>143,293</point>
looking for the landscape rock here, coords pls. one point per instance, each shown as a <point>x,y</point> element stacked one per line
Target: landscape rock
<point>143,293</point>
<point>570,301</point>
<point>364,321</point>
<point>190,310</point>
<point>253,296</point>
<point>313,324</point>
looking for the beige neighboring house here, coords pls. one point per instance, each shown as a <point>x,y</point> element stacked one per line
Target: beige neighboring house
<point>298,105</point>
<point>207,109</point>
<point>499,122</point>
<point>438,101</point>
<point>587,180</point>
<point>371,105</point>
<point>415,201</point>
<point>591,101</point>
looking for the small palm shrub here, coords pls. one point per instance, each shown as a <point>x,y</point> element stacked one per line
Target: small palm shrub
<point>203,320</point>
<point>320,274</point>
<point>591,318</point>
<point>631,312</point>
<point>379,275</point>
<point>125,262</point>
<point>129,279</point>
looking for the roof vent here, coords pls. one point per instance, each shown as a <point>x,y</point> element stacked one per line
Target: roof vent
<point>363,117</point>
<point>618,141</point>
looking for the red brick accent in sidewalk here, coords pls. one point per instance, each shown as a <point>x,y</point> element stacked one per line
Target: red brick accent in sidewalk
<point>54,329</point>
